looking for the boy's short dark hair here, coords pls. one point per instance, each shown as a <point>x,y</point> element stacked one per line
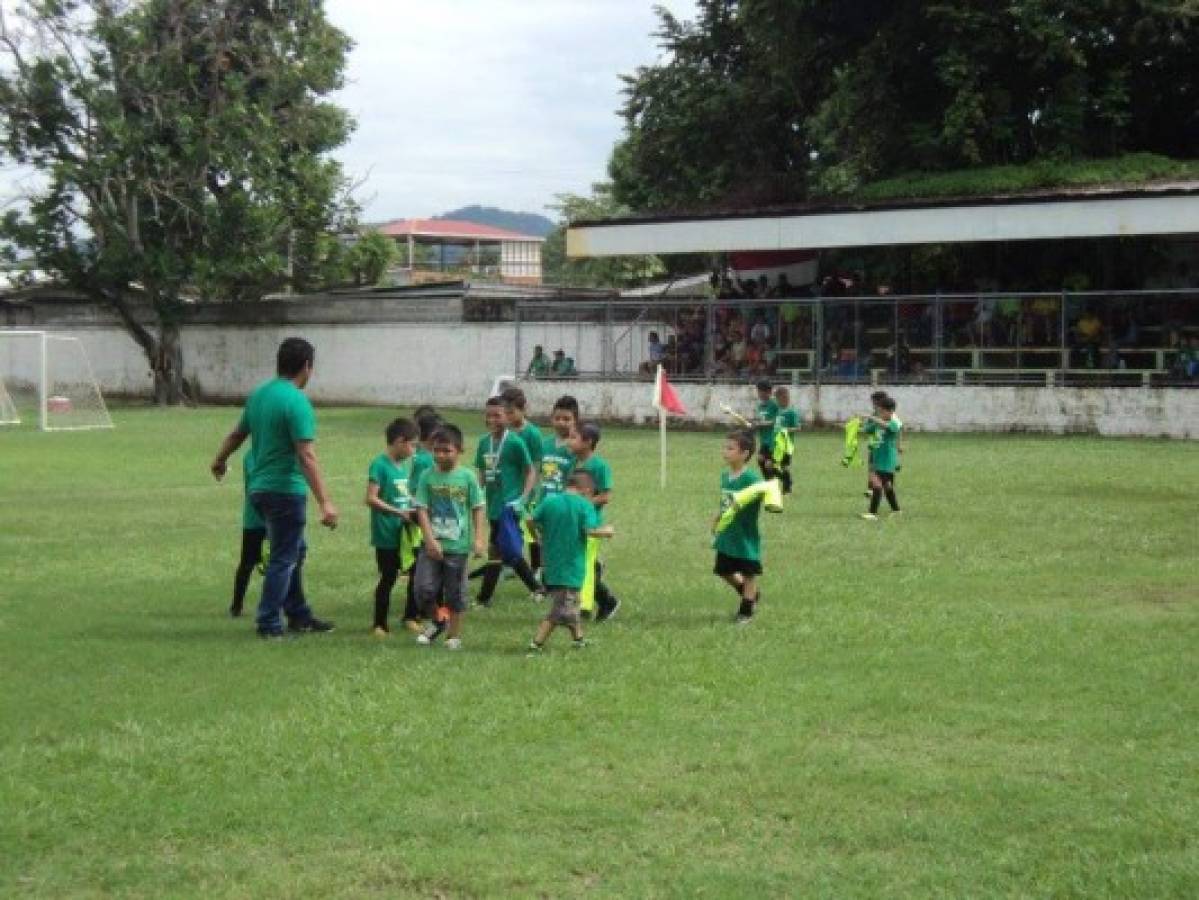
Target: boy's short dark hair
<point>888,403</point>
<point>568,403</point>
<point>401,428</point>
<point>514,398</point>
<point>428,425</point>
<point>294,353</point>
<point>878,397</point>
<point>590,432</point>
<point>764,385</point>
<point>744,440</point>
<point>448,434</point>
<point>494,401</point>
<point>581,481</point>
<point>421,411</point>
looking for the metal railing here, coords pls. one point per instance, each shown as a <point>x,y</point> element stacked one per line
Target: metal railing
<point>1090,338</point>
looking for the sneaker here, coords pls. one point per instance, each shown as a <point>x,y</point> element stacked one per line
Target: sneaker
<point>579,644</point>
<point>538,596</point>
<point>235,610</point>
<point>485,604</point>
<point>312,625</point>
<point>608,612</point>
<point>416,626</point>
<point>429,635</point>
<point>380,632</point>
<point>453,644</point>
<point>867,494</point>
<point>535,649</point>
<point>743,619</point>
<point>870,517</point>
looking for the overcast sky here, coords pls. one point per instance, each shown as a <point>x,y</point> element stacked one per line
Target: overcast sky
<point>497,102</point>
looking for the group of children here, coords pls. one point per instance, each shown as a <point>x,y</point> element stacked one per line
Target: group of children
<point>429,513</point>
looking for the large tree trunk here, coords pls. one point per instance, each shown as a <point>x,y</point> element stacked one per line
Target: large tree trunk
<point>163,352</point>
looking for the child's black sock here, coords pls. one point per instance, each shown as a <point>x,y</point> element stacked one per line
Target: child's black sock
<point>892,499</point>
<point>876,497</point>
<point>747,608</point>
<point>535,555</point>
<point>491,577</point>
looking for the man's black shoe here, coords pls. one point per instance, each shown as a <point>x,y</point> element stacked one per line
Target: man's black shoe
<point>310,626</point>
<point>608,610</point>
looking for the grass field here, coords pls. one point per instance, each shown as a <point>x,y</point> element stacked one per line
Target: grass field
<point>997,695</point>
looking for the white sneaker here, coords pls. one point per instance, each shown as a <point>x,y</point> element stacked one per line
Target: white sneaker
<point>424,640</point>
<point>453,644</point>
<point>538,596</point>
<point>870,517</point>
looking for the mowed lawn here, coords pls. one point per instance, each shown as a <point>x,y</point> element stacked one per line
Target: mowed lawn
<point>996,695</point>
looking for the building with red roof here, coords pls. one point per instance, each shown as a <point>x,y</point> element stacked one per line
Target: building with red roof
<point>485,249</point>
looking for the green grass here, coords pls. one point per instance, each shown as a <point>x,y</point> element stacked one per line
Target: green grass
<point>995,696</point>
<point>1130,170</point>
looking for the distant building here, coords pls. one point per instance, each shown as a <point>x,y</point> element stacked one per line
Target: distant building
<point>442,245</point>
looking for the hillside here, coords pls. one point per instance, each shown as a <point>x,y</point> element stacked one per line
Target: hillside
<point>522,222</point>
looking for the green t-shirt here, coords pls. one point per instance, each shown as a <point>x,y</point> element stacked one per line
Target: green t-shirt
<point>564,520</point>
<point>277,415</point>
<point>422,462</point>
<point>250,520</point>
<point>449,498</point>
<point>539,365</point>
<point>884,456</point>
<point>531,435</point>
<point>557,462</point>
<point>766,412</point>
<point>601,473</point>
<point>503,463</point>
<point>393,480</point>
<point>788,418</point>
<point>741,539</point>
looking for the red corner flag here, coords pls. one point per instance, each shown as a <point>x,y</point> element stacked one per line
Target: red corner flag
<point>664,396</point>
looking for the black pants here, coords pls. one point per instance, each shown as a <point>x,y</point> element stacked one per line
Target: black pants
<point>412,608</point>
<point>887,480</point>
<point>388,562</point>
<point>495,567</point>
<point>251,555</point>
<point>605,600</point>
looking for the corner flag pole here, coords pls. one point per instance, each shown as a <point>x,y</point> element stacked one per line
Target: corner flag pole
<point>662,442</point>
<point>665,401</point>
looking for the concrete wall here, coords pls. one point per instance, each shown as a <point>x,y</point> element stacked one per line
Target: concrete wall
<point>1163,412</point>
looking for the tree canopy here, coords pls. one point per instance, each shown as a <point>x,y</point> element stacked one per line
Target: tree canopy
<point>771,101</point>
<point>180,147</point>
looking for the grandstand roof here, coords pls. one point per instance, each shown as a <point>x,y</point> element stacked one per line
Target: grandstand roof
<point>1164,208</point>
<point>452,229</point>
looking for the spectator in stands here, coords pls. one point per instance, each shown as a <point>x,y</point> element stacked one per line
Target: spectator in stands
<point>563,365</point>
<point>1088,329</point>
<point>670,355</point>
<point>760,332</point>
<point>656,353</point>
<point>1045,315</point>
<point>1111,357</point>
<point>783,286</point>
<point>539,365</point>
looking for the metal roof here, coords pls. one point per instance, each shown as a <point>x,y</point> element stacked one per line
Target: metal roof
<point>446,229</point>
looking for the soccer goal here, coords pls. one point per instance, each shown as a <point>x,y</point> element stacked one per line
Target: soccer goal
<point>47,378</point>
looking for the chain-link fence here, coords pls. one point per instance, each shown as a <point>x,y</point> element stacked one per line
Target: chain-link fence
<point>1136,338</point>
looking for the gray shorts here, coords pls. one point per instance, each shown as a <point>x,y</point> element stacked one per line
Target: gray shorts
<point>435,576</point>
<point>564,606</point>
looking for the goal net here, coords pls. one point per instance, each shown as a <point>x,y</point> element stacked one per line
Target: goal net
<point>46,380</point>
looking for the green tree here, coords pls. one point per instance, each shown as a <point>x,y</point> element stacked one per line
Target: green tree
<point>181,147</point>
<point>370,257</point>
<point>761,101</point>
<point>596,272</point>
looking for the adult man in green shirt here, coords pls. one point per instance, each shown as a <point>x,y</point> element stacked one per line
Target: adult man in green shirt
<point>280,421</point>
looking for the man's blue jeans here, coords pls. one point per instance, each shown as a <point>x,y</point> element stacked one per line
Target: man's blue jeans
<point>283,584</point>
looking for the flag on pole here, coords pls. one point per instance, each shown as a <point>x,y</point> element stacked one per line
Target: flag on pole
<point>665,401</point>
<point>665,398</point>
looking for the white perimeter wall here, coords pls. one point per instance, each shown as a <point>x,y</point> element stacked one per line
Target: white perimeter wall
<point>1163,412</point>
<point>455,365</point>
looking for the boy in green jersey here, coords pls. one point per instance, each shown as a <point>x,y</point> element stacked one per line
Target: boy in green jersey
<point>427,423</point>
<point>739,546</point>
<point>507,475</point>
<point>515,405</point>
<point>449,506</point>
<point>253,536</point>
<point>876,398</point>
<point>583,441</point>
<point>788,422</point>
<point>389,497</point>
<point>557,460</point>
<point>765,414</point>
<point>884,457</point>
<point>566,521</point>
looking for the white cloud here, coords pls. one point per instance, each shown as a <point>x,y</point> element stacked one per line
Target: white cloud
<point>499,102</point>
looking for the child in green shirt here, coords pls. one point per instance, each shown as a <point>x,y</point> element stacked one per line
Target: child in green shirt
<point>449,506</point>
<point>389,497</point>
<point>565,521</point>
<point>557,460</point>
<point>788,422</point>
<point>765,414</point>
<point>583,441</point>
<point>427,423</point>
<point>884,457</point>
<point>507,474</point>
<point>515,405</point>
<point>739,546</point>
<point>876,398</point>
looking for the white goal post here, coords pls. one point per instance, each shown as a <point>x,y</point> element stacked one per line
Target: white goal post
<point>48,377</point>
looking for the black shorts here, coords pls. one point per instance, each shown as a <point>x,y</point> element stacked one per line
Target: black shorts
<point>734,565</point>
<point>886,478</point>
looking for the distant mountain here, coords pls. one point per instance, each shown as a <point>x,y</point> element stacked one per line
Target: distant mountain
<point>521,222</point>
